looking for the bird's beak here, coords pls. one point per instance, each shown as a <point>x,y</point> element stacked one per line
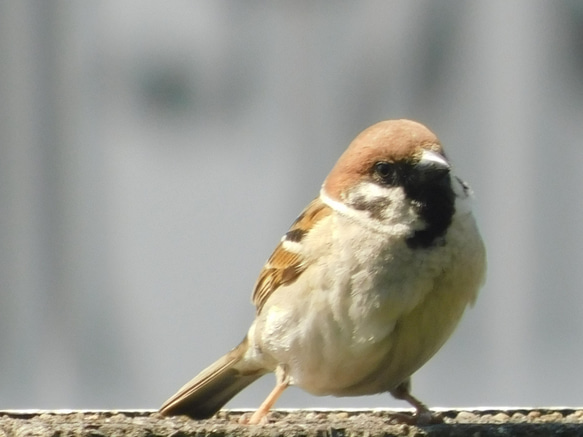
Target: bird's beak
<point>432,165</point>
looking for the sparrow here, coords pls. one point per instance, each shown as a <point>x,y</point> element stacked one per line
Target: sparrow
<point>365,287</point>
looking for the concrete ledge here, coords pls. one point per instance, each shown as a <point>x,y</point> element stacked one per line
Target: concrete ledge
<point>305,423</point>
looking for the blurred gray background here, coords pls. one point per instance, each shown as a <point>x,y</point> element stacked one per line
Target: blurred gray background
<point>152,153</point>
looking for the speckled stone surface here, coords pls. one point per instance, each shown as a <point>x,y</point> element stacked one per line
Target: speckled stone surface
<point>320,423</point>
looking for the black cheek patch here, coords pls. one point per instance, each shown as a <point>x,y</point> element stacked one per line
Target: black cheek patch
<point>375,207</point>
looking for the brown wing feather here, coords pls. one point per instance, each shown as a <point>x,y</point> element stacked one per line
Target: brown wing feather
<point>284,266</point>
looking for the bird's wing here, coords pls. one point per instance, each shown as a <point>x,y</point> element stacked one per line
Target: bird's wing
<point>288,260</point>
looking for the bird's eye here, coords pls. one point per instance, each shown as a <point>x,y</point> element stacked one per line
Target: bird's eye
<point>385,171</point>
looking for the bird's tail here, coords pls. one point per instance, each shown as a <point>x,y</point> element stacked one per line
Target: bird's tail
<point>212,388</point>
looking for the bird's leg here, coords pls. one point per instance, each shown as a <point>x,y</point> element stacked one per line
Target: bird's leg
<point>282,382</point>
<point>423,415</point>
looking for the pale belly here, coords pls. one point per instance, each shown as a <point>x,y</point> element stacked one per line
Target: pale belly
<point>347,347</point>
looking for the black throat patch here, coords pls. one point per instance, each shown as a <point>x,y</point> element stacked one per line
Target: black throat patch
<point>435,203</point>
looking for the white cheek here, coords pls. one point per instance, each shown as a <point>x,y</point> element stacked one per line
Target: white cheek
<point>371,191</point>
<point>387,207</point>
<point>374,194</point>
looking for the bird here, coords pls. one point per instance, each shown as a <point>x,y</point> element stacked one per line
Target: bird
<point>366,286</point>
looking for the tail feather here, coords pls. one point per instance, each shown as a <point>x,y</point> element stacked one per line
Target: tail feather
<point>212,388</point>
